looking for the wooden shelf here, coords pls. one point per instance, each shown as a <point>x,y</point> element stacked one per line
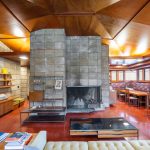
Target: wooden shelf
<point>5,80</point>
<point>6,86</point>
<point>5,74</point>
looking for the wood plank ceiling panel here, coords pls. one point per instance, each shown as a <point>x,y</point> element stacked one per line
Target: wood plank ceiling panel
<point>116,16</point>
<point>9,26</point>
<point>36,14</point>
<point>111,19</point>
<point>18,45</point>
<point>129,27</point>
<point>134,39</point>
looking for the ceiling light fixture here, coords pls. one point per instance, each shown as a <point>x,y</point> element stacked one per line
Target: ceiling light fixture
<point>142,47</point>
<point>23,57</point>
<point>18,32</point>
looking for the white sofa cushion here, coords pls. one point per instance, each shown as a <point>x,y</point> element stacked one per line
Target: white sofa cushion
<point>65,145</point>
<point>109,145</point>
<point>40,141</point>
<point>140,144</point>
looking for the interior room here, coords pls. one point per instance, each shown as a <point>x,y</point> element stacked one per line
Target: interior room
<point>75,74</point>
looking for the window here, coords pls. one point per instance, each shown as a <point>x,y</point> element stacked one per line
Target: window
<point>130,75</point>
<point>120,75</point>
<point>140,75</point>
<point>147,74</point>
<point>113,75</point>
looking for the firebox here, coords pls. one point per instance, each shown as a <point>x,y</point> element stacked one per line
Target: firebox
<point>83,97</point>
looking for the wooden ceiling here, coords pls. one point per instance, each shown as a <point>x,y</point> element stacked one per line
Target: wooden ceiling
<point>123,24</point>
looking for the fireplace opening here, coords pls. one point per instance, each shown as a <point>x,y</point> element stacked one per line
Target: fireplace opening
<point>83,97</point>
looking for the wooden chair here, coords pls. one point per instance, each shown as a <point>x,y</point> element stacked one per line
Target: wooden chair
<point>141,101</point>
<point>122,96</point>
<point>131,99</point>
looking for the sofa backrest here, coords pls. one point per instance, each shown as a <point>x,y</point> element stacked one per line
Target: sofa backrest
<point>109,145</point>
<point>66,145</point>
<point>140,144</point>
<point>40,143</point>
<point>142,87</point>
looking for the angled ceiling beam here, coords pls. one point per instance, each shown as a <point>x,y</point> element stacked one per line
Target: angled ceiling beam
<point>131,19</point>
<point>7,8</point>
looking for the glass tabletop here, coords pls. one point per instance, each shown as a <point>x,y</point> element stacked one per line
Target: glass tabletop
<point>95,124</point>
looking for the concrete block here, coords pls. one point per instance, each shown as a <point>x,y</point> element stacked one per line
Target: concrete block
<point>59,53</point>
<point>38,46</point>
<point>50,61</point>
<point>60,60</point>
<point>59,45</point>
<point>83,75</point>
<point>39,39</point>
<point>74,62</point>
<point>49,38</point>
<point>93,82</point>
<point>40,68</point>
<point>83,82</point>
<point>74,69</point>
<point>92,69</point>
<point>59,74</point>
<point>59,68</point>
<point>84,69</point>
<point>49,45</point>
<point>93,76</point>
<point>49,53</point>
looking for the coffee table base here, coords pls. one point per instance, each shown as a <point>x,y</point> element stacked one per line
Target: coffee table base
<point>117,133</point>
<point>107,133</point>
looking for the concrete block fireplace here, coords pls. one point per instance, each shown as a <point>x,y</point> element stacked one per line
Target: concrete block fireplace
<point>83,97</point>
<point>80,61</point>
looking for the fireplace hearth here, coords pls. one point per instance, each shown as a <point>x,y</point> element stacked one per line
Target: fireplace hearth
<point>83,97</point>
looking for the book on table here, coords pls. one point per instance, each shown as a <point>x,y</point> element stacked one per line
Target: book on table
<point>16,141</point>
<point>3,135</point>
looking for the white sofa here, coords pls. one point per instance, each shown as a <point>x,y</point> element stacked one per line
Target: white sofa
<point>40,143</point>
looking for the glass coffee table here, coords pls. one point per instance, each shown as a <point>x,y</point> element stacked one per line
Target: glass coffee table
<point>103,127</point>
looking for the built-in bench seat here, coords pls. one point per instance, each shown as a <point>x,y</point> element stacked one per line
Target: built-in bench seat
<point>139,86</point>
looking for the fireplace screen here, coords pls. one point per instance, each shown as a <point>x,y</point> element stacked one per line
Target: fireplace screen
<point>83,97</point>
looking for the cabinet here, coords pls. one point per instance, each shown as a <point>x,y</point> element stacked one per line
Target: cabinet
<point>5,80</point>
<point>6,106</point>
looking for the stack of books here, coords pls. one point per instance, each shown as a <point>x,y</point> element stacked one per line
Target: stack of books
<point>3,135</point>
<point>17,141</point>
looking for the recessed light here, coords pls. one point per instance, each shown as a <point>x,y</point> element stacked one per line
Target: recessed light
<point>23,57</point>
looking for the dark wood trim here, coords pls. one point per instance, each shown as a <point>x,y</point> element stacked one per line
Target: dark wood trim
<point>14,15</point>
<point>14,53</point>
<point>126,57</point>
<point>138,65</point>
<point>74,14</point>
<point>14,38</point>
<point>131,18</point>
<point>124,79</point>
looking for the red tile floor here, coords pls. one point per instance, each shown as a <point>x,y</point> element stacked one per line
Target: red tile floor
<point>60,131</point>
